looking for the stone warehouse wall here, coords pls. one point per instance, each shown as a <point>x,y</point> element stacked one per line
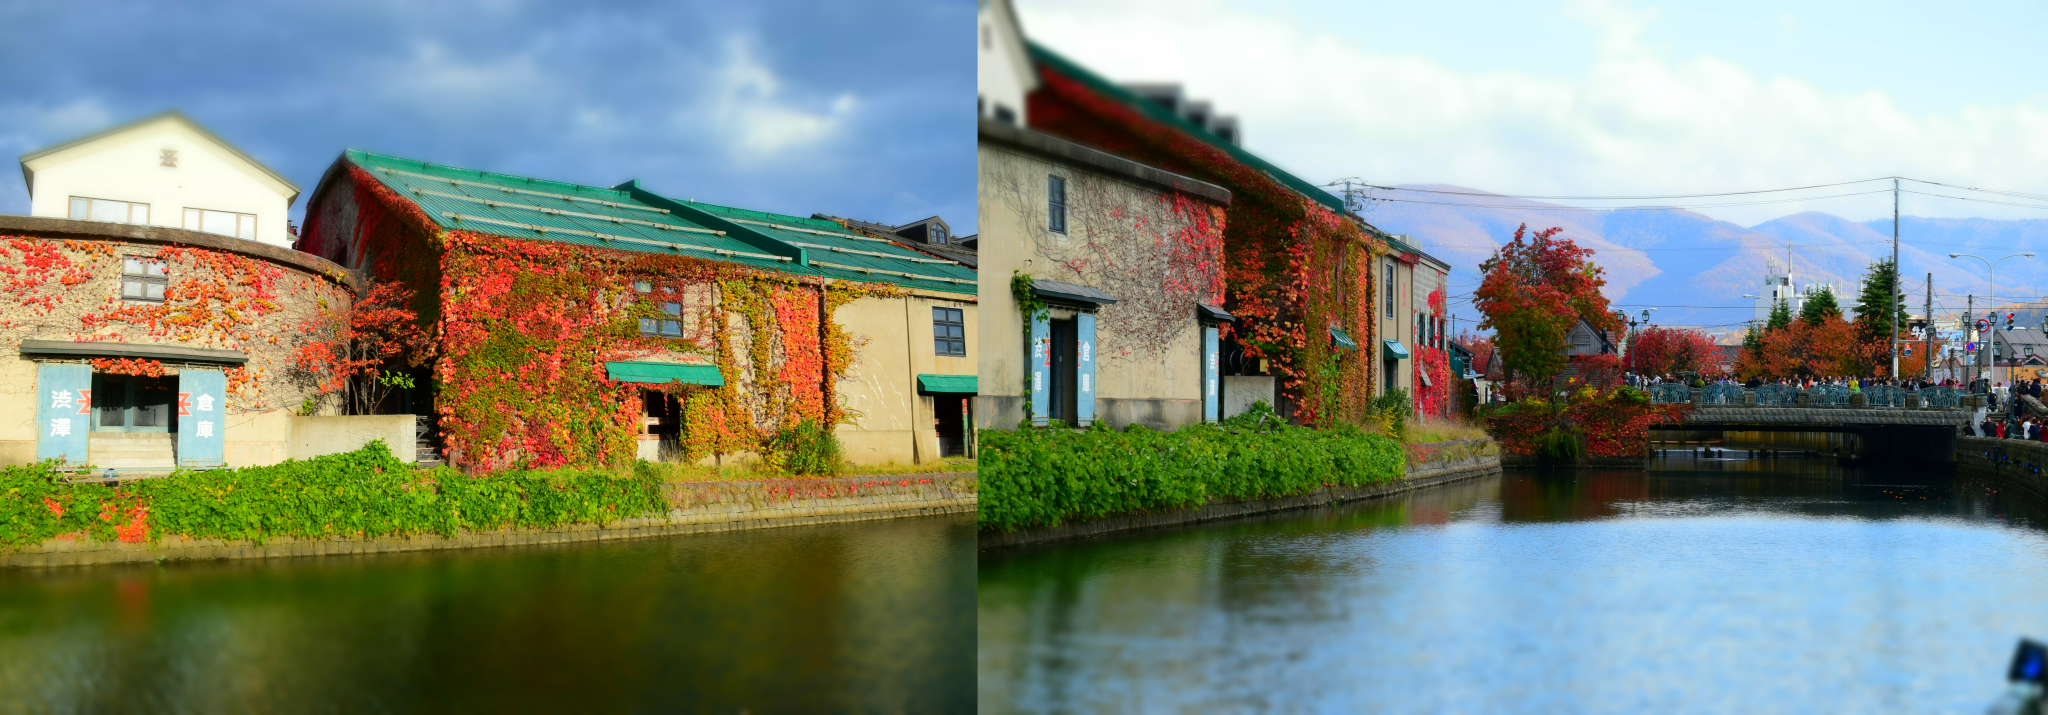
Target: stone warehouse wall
<point>62,281</point>
<point>696,508</point>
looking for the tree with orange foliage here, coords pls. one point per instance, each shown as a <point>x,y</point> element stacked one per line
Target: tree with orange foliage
<point>357,352</point>
<point>1535,289</point>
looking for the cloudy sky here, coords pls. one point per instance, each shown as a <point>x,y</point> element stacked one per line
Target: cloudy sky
<point>861,110</point>
<point>1604,96</point>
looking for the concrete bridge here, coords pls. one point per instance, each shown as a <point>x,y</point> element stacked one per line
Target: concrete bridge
<point>1884,423</point>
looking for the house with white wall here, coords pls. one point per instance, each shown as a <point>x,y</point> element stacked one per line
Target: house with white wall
<point>162,170</point>
<point>1002,64</point>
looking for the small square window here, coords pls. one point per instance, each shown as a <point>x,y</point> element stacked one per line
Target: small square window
<point>143,279</point>
<point>949,332</point>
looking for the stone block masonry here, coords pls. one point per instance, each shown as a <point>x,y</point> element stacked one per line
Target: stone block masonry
<point>696,507</point>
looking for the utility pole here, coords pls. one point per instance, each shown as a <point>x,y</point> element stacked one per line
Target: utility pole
<point>1928,352</point>
<point>1894,307</point>
<point>1969,334</point>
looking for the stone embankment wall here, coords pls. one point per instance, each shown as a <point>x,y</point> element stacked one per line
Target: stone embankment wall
<point>1428,466</point>
<point>2018,462</point>
<point>695,508</point>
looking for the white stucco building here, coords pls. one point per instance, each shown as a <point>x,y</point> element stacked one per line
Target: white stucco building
<point>1003,64</point>
<point>163,170</point>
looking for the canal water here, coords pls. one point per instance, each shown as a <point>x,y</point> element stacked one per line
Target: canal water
<point>1775,585</point>
<point>874,616</point>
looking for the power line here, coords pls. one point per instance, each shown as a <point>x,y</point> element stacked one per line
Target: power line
<point>1623,198</point>
<point>1660,207</point>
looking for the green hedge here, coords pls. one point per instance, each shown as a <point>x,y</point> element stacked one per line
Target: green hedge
<point>362,493</point>
<point>1043,476</point>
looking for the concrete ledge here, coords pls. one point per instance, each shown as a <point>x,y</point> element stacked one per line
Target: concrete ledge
<point>705,507</point>
<point>1419,476</point>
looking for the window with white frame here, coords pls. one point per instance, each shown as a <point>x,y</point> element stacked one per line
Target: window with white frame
<point>225,223</point>
<point>85,209</point>
<point>1390,289</point>
<point>143,279</point>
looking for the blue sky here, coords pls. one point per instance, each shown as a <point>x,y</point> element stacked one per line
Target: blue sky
<point>853,109</point>
<point>1603,96</point>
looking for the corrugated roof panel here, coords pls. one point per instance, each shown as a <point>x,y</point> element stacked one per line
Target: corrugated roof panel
<point>839,253</point>
<point>517,207</point>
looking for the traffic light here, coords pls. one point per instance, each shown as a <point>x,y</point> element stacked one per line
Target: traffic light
<point>2008,322</point>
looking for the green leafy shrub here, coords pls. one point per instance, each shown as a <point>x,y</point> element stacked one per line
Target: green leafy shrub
<point>1561,442</point>
<point>362,493</point>
<point>1393,408</point>
<point>806,448</point>
<point>1041,477</point>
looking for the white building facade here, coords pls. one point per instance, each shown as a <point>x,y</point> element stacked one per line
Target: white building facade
<point>164,170</point>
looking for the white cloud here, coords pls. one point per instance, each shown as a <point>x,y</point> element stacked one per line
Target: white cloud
<point>1325,105</point>
<point>746,105</point>
<point>441,80</point>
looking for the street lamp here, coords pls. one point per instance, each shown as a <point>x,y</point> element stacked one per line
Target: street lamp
<point>1991,270</point>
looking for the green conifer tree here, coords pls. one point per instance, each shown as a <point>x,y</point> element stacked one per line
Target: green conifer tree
<point>1880,287</point>
<point>1781,316</point>
<point>1820,306</point>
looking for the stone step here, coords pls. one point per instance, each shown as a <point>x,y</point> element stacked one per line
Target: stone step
<point>131,451</point>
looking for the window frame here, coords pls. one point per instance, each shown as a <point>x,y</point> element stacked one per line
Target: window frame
<point>71,206</point>
<point>144,279</point>
<point>942,344</point>
<point>1390,289</point>
<point>188,222</point>
<point>1056,203</point>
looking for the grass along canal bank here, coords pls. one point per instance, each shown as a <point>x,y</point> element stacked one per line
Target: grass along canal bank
<point>1051,484</point>
<point>367,502</point>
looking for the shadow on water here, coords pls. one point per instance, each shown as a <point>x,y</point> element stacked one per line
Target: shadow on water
<point>1696,585</point>
<point>866,616</point>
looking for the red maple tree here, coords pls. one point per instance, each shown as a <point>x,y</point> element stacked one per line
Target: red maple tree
<point>354,351</point>
<point>1535,289</point>
<point>1658,350</point>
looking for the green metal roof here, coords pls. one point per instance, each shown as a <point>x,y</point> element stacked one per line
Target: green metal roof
<point>664,372</point>
<point>834,251</point>
<point>630,218</point>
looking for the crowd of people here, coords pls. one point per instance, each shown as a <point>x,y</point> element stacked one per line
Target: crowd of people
<point>2006,417</point>
<point>1854,384</point>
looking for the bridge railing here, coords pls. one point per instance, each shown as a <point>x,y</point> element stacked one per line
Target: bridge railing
<point>1875,396</point>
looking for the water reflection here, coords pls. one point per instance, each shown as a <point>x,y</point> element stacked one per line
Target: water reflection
<point>872,616</point>
<point>1701,586</point>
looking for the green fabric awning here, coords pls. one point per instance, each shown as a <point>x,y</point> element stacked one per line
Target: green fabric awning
<point>1341,339</point>
<point>664,372</point>
<point>955,384</point>
<point>1393,349</point>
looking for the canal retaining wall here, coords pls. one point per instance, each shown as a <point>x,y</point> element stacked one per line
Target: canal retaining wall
<point>1429,465</point>
<point>2021,464</point>
<point>698,507</point>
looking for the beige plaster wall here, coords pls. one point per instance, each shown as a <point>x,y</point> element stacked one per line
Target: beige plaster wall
<point>316,436</point>
<point>893,423</point>
<point>1148,344</point>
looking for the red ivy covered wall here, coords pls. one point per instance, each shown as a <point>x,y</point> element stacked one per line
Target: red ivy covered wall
<point>70,289</point>
<point>521,331</point>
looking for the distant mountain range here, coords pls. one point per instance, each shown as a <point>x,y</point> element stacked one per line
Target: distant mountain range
<point>1677,258</point>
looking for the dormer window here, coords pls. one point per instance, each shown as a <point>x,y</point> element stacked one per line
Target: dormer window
<point>937,232</point>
